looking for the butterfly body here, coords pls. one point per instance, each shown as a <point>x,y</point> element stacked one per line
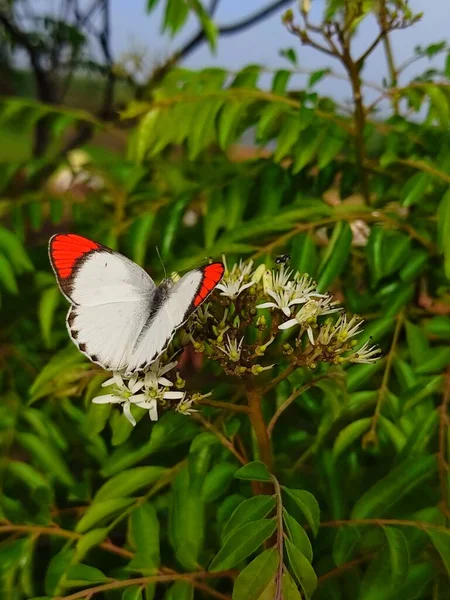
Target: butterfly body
<point>119,318</point>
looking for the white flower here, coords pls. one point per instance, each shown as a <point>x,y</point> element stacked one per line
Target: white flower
<point>282,300</point>
<point>232,349</point>
<point>366,354</point>
<point>123,392</point>
<point>307,315</point>
<point>234,282</point>
<point>288,292</point>
<point>154,375</point>
<point>185,406</point>
<point>348,329</point>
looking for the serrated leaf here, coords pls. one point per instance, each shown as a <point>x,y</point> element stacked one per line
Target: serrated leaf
<point>303,571</point>
<point>253,471</point>
<point>308,506</point>
<point>257,575</point>
<point>242,543</point>
<point>249,510</point>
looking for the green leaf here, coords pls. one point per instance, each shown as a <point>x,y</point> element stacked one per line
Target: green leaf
<point>395,434</point>
<point>280,81</point>
<point>302,569</point>
<point>287,137</point>
<point>249,510</point>
<point>415,188</point>
<point>89,540</point>
<point>350,434</point>
<point>437,359</point>
<point>330,147</point>
<point>47,307</point>
<point>180,590</point>
<point>336,255</point>
<point>440,103</point>
<point>386,251</point>
<point>241,543</point>
<point>78,575</point>
<point>289,588</point>
<point>441,541</point>
<point>254,471</point>
<point>298,535</point>
<point>308,506</point>
<point>389,490</point>
<point>144,529</point>
<point>100,512</point>
<point>132,592</point>
<point>443,225</point>
<point>47,456</point>
<point>398,555</point>
<point>306,148</point>
<point>208,25</point>
<point>218,480</point>
<point>304,254</point>
<point>345,544</point>
<point>418,345</point>
<point>125,483</point>
<point>186,520</point>
<point>139,233</point>
<point>290,54</point>
<point>56,569</point>
<point>255,578</point>
<point>13,248</point>
<point>7,277</point>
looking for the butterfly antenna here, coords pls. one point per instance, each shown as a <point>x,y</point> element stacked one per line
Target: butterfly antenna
<point>163,266</point>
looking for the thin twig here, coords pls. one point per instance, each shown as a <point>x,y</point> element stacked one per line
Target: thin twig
<point>372,433</point>
<point>114,585</point>
<point>290,400</point>
<point>223,440</point>
<point>343,568</point>
<point>240,408</point>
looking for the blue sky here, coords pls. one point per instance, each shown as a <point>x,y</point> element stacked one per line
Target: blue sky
<point>131,24</point>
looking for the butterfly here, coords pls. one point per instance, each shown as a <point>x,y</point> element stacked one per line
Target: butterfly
<point>119,318</point>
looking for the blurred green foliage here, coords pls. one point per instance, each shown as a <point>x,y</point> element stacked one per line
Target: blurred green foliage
<point>361,202</point>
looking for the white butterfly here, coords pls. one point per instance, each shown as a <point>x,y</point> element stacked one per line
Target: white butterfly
<point>119,318</point>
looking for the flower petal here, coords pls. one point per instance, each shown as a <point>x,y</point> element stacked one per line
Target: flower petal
<point>137,398</point>
<point>118,380</point>
<point>107,399</point>
<point>164,382</point>
<point>108,382</point>
<point>267,305</point>
<point>174,395</point>
<point>127,413</point>
<point>288,324</point>
<point>166,368</point>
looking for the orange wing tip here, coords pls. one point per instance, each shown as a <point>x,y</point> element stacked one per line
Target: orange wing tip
<point>212,274</point>
<point>66,249</point>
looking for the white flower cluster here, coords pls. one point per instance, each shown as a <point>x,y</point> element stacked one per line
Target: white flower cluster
<point>145,390</point>
<point>296,296</point>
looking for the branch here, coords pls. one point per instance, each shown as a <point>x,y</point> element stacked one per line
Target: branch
<point>231,29</point>
<point>239,408</point>
<point>372,47</point>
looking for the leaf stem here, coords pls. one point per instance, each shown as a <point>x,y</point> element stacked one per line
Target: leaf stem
<point>255,396</point>
<point>223,440</point>
<point>240,408</point>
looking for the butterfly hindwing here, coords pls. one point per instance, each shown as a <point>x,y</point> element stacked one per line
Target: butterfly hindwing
<point>182,299</point>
